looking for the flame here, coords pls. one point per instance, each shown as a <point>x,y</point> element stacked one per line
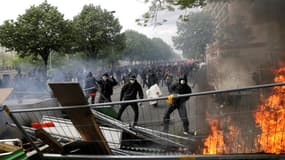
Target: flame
<point>232,138</point>
<point>214,143</point>
<point>270,118</point>
<point>223,141</point>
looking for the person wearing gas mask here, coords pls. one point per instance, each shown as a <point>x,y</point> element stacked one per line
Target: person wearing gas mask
<point>106,85</point>
<point>129,92</point>
<point>178,103</point>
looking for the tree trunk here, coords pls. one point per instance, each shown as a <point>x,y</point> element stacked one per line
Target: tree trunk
<point>45,69</point>
<point>45,56</point>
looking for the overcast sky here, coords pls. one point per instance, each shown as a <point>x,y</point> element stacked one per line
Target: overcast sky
<point>125,10</point>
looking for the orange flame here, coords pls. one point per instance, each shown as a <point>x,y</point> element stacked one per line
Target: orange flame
<point>214,143</point>
<point>270,118</point>
<point>223,141</point>
<point>232,139</point>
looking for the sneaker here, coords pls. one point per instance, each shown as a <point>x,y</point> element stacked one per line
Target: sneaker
<point>186,133</point>
<point>133,124</point>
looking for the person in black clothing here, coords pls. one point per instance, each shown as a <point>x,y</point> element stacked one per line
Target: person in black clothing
<point>106,85</point>
<point>178,103</point>
<point>129,92</point>
<point>90,87</point>
<point>151,79</point>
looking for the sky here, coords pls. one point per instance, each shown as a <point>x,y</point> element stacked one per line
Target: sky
<point>125,10</point>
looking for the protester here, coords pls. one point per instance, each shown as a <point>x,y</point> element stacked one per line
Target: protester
<point>151,79</point>
<point>129,92</point>
<point>106,85</point>
<point>178,103</point>
<point>90,87</point>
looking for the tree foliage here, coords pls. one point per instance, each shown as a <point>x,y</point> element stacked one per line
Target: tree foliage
<point>139,47</point>
<point>194,35</point>
<point>40,30</point>
<point>156,6</point>
<point>97,29</point>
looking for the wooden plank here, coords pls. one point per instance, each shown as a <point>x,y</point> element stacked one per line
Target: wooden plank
<point>46,138</point>
<point>4,94</point>
<point>8,147</point>
<point>71,94</point>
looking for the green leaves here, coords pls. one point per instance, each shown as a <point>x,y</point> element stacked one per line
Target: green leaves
<point>37,32</point>
<point>96,29</point>
<point>141,48</point>
<point>194,34</point>
<point>42,30</point>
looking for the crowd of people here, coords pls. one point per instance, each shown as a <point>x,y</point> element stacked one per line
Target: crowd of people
<point>132,79</point>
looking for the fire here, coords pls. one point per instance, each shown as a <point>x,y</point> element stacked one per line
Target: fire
<point>214,143</point>
<point>232,139</point>
<point>222,141</point>
<point>270,118</point>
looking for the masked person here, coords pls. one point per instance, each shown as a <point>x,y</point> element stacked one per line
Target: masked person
<point>129,92</point>
<point>106,85</point>
<point>90,87</point>
<point>178,103</point>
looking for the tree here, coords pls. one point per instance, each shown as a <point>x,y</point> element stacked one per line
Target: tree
<point>194,35</point>
<point>156,6</point>
<point>161,51</point>
<point>96,30</point>
<point>135,45</point>
<point>36,33</point>
<point>140,47</point>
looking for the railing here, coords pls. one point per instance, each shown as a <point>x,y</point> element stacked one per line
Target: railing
<point>224,122</point>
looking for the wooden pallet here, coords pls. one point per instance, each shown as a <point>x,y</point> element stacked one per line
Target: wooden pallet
<point>71,94</point>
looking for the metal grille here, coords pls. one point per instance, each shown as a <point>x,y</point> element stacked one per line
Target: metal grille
<point>220,122</point>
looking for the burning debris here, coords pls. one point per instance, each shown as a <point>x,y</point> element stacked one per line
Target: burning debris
<point>270,118</point>
<point>214,143</point>
<point>227,138</point>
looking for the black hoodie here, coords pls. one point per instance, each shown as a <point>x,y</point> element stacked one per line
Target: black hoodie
<point>130,91</point>
<point>179,88</point>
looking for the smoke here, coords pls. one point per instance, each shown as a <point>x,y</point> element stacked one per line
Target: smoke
<point>29,81</point>
<point>239,65</point>
<point>234,75</point>
<point>264,11</point>
<point>252,33</point>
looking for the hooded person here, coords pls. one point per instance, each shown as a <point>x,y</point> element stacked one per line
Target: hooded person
<point>106,84</point>
<point>129,92</point>
<point>181,87</point>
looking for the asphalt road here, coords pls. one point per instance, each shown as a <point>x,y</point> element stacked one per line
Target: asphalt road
<point>152,116</point>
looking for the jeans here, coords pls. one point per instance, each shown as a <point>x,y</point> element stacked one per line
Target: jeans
<point>182,113</point>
